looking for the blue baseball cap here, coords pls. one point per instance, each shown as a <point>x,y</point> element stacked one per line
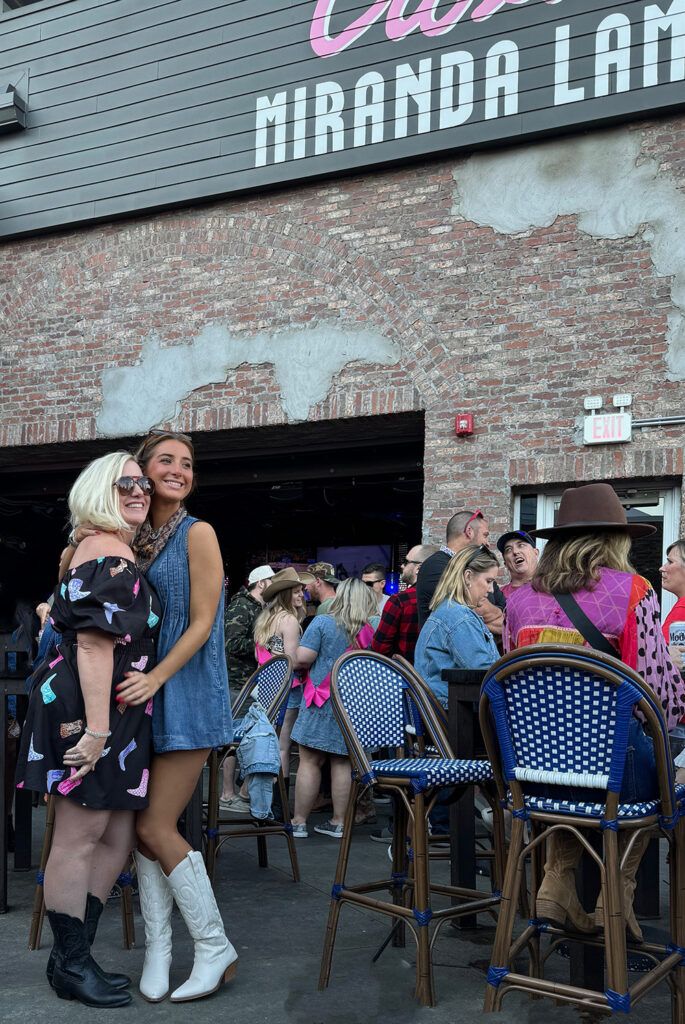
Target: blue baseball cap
<point>514,535</point>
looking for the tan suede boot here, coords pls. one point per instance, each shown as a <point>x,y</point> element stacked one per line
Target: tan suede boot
<point>629,882</point>
<point>557,899</point>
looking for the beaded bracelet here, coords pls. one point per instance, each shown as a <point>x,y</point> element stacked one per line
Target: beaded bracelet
<point>96,735</point>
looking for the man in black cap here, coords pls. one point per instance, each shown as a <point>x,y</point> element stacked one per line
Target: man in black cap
<point>520,557</point>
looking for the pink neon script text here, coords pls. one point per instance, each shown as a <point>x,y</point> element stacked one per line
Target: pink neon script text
<point>397,25</point>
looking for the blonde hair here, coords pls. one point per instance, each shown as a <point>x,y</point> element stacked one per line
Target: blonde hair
<point>282,604</point>
<point>94,499</point>
<point>574,563</point>
<point>452,584</point>
<point>353,606</point>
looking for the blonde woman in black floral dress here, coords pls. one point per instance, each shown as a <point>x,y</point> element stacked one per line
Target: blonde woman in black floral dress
<point>79,743</point>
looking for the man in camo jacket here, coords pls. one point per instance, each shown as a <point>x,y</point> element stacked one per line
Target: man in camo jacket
<point>241,614</point>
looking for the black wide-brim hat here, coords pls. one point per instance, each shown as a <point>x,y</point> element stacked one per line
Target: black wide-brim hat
<point>590,508</point>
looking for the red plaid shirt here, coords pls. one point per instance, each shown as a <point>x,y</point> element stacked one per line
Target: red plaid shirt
<point>398,629</point>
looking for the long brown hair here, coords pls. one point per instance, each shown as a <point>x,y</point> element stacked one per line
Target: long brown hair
<point>575,563</point>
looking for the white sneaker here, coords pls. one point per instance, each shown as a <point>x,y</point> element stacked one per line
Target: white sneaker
<point>300,831</point>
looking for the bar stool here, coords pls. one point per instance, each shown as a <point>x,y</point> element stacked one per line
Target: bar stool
<point>370,696</point>
<point>272,682</point>
<point>124,882</point>
<point>554,717</point>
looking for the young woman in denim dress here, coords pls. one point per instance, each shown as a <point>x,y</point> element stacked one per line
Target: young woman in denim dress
<point>191,715</point>
<point>345,627</point>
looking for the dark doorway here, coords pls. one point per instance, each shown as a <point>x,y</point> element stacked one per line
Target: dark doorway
<point>267,491</point>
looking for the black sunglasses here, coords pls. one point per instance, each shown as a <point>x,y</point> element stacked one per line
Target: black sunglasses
<point>410,561</point>
<point>126,484</point>
<point>483,549</point>
<point>370,583</point>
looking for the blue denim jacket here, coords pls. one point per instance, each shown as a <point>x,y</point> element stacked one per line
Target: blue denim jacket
<point>258,758</point>
<point>453,636</point>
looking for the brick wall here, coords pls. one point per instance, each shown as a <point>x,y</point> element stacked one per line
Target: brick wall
<point>516,330</point>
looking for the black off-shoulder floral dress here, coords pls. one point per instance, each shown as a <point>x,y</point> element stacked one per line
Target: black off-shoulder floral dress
<point>110,595</point>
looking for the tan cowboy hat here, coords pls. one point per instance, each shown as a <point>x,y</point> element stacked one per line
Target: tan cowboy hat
<point>589,508</point>
<point>284,580</point>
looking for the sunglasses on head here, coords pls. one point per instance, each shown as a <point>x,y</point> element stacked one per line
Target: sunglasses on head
<point>476,515</point>
<point>157,432</point>
<point>126,484</point>
<point>483,549</point>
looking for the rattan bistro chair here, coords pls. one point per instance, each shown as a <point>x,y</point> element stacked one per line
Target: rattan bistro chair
<point>554,717</point>
<point>370,697</point>
<point>270,683</point>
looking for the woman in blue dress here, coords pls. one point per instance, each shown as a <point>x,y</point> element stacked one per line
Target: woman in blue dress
<point>191,714</point>
<point>345,627</point>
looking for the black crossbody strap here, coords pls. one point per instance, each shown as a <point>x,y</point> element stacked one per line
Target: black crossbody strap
<point>585,627</point>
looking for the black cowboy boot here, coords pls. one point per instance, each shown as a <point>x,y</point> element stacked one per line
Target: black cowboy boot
<point>74,976</point>
<point>93,910</point>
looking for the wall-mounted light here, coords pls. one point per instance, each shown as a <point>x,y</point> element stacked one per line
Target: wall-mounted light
<point>14,102</point>
<point>622,401</point>
<point>593,402</point>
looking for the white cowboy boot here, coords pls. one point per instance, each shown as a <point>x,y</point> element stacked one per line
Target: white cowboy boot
<point>156,903</point>
<point>215,958</point>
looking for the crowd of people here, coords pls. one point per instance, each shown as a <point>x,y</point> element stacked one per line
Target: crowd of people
<point>139,664</point>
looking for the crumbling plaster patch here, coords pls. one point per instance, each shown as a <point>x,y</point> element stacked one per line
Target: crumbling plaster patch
<point>602,180</point>
<point>305,362</point>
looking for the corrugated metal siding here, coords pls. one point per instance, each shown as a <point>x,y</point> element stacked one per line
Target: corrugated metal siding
<point>137,104</point>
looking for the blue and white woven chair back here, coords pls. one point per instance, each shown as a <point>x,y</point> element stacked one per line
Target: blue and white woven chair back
<point>370,689</point>
<point>560,724</point>
<point>270,679</point>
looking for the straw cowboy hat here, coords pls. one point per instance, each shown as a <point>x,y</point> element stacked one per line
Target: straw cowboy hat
<point>589,508</point>
<point>284,580</point>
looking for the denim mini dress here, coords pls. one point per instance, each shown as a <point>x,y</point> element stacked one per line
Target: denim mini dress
<point>192,711</point>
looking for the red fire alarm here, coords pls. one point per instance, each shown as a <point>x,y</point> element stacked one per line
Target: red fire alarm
<point>463,424</point>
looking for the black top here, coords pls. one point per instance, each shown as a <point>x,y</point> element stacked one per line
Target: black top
<point>111,596</point>
<point>427,583</point>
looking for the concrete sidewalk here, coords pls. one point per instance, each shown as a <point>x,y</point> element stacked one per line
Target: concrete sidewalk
<point>277,927</point>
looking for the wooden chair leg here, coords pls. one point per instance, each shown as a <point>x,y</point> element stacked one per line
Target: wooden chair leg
<point>212,814</point>
<point>507,913</point>
<point>614,917</point>
<point>262,852</point>
<point>340,875</point>
<point>39,896</point>
<point>292,851</point>
<point>677,916</point>
<point>127,918</point>
<point>425,989</point>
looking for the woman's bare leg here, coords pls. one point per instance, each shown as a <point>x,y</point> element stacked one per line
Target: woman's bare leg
<point>77,835</point>
<point>284,739</point>
<point>173,778</point>
<point>228,773</point>
<point>341,784</point>
<point>307,782</point>
<point>112,853</point>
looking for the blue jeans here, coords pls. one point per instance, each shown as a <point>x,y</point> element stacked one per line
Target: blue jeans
<point>639,774</point>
